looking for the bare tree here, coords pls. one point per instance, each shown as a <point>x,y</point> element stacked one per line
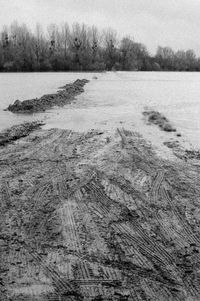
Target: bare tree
<point>52,30</point>
<point>110,44</point>
<point>128,56</point>
<point>79,47</point>
<point>65,35</point>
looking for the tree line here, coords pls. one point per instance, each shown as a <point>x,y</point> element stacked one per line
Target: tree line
<point>83,48</point>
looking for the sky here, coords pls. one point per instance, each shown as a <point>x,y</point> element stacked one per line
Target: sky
<point>173,23</point>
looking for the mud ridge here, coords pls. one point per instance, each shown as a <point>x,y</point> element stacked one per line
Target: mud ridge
<point>18,131</point>
<point>64,96</point>
<point>154,117</point>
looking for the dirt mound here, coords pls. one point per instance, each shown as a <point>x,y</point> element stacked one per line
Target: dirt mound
<point>64,96</point>
<point>87,216</point>
<point>160,120</point>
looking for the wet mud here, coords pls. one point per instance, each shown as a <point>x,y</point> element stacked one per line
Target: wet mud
<point>96,216</point>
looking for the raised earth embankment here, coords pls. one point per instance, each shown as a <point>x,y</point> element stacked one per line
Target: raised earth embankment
<point>64,96</point>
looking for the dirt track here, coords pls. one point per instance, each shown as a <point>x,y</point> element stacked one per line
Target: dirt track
<point>96,216</point>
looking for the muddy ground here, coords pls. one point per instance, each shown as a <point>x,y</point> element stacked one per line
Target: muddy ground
<point>97,216</point>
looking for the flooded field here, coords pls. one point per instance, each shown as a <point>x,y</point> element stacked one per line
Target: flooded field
<point>113,99</point>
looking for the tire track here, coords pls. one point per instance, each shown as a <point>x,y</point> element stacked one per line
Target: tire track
<point>185,226</point>
<point>62,286</point>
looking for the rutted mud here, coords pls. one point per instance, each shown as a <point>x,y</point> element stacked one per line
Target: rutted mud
<point>64,96</point>
<point>96,217</point>
<point>183,153</point>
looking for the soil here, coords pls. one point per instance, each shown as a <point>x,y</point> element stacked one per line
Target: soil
<point>97,216</point>
<point>64,96</point>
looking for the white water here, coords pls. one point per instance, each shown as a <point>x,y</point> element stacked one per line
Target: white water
<point>114,99</point>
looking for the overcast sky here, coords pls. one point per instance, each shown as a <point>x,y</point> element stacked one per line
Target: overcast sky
<point>174,23</point>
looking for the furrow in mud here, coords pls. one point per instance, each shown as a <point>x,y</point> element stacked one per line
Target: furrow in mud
<point>62,286</point>
<point>185,226</point>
